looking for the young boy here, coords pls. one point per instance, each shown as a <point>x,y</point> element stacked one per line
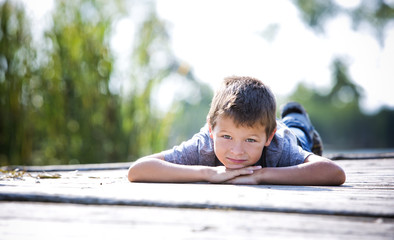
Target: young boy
<point>243,143</point>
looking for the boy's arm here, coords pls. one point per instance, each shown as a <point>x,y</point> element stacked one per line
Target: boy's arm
<point>315,170</point>
<point>154,169</point>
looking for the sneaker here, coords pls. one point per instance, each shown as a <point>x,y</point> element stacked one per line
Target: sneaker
<point>294,107</point>
<point>317,147</point>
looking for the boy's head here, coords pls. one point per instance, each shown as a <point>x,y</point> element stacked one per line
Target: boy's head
<point>245,100</point>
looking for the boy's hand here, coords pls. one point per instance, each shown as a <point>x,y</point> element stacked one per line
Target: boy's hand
<point>221,174</point>
<point>244,180</point>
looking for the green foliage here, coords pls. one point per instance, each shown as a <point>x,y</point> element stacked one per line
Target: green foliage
<point>17,65</point>
<point>337,115</point>
<point>315,12</point>
<point>148,131</point>
<point>338,118</point>
<point>80,114</point>
<point>375,14</point>
<point>56,107</point>
<point>191,114</point>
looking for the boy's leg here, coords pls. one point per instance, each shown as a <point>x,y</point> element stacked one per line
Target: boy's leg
<point>295,117</point>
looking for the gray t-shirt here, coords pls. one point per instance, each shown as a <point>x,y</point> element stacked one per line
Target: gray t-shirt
<point>282,152</point>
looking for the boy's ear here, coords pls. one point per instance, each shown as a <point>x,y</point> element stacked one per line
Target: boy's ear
<point>269,139</point>
<point>210,130</point>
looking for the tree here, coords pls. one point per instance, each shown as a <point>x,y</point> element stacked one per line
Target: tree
<point>17,101</point>
<point>338,118</point>
<point>337,115</point>
<point>57,107</point>
<point>146,128</point>
<point>79,115</point>
<point>377,15</point>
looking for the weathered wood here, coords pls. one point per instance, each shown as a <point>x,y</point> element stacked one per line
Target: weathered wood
<point>367,192</point>
<point>363,208</point>
<point>71,167</point>
<point>359,156</point>
<point>70,221</point>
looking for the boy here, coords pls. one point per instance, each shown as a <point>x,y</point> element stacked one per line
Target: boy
<point>243,143</point>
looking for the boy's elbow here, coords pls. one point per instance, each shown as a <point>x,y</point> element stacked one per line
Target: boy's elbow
<point>133,173</point>
<point>141,169</point>
<point>327,171</point>
<point>130,174</point>
<point>138,171</point>
<point>340,176</point>
<point>336,176</point>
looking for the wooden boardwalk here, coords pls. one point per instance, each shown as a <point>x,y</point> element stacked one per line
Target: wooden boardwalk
<point>97,202</point>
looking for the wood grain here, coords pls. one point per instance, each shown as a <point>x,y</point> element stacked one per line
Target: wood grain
<point>102,204</point>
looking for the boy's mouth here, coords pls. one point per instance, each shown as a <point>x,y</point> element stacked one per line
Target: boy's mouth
<point>237,161</point>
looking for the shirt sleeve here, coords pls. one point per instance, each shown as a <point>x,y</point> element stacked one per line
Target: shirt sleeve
<point>284,150</point>
<point>196,151</point>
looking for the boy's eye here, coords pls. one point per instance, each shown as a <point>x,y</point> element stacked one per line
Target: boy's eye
<point>250,140</point>
<point>226,136</point>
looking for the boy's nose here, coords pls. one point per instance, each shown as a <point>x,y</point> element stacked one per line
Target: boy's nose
<point>237,149</point>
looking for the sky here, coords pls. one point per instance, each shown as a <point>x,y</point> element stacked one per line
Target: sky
<point>266,40</point>
<point>221,38</point>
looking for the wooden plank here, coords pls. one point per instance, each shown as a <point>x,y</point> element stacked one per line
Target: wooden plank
<point>308,200</point>
<point>367,192</point>
<point>362,155</point>
<point>69,221</point>
<point>71,167</point>
<point>109,207</point>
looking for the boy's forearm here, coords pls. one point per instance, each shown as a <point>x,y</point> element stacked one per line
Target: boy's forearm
<point>321,172</point>
<point>156,170</point>
<point>152,169</point>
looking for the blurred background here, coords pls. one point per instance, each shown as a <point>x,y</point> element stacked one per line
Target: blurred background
<point>94,81</point>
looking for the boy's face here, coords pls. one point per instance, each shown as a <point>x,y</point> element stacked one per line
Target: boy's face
<point>238,146</point>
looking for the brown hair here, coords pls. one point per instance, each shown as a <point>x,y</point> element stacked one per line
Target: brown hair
<point>247,101</point>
